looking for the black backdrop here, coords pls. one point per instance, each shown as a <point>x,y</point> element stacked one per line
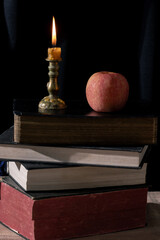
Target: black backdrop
<point>114,35</point>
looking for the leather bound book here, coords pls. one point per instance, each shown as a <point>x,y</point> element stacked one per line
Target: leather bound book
<point>79,125</point>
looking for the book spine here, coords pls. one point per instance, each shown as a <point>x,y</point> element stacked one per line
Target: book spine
<point>87,131</point>
<point>17,128</point>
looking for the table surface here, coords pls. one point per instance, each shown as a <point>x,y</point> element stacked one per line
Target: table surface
<point>150,232</point>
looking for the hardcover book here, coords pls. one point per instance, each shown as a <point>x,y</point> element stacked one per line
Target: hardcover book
<point>43,177</point>
<point>85,155</point>
<point>2,168</point>
<point>78,125</point>
<point>68,214</point>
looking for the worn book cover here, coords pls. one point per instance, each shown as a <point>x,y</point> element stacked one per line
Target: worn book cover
<point>68,214</point>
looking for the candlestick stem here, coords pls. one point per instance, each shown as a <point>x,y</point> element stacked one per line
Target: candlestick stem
<point>52,101</point>
<point>52,85</point>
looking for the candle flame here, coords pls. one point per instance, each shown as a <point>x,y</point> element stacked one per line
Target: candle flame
<point>54,38</point>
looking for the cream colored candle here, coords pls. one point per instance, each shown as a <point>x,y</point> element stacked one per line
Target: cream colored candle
<point>54,53</point>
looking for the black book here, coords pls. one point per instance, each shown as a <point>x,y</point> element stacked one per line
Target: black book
<point>135,125</point>
<point>99,156</point>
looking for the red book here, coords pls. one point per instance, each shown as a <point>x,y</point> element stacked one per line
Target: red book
<point>68,214</point>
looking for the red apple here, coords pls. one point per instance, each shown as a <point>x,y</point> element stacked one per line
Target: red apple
<point>107,91</point>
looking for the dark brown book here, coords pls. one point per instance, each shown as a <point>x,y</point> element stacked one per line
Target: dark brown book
<point>68,214</point>
<point>78,125</point>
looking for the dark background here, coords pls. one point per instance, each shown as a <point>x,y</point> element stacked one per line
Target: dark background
<point>113,35</point>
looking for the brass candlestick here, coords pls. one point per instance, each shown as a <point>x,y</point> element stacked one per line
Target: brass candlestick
<point>52,102</point>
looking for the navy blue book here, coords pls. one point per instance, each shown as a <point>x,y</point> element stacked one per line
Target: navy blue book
<point>2,168</point>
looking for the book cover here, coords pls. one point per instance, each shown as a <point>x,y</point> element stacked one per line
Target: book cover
<point>78,125</point>
<point>61,216</point>
<point>91,155</point>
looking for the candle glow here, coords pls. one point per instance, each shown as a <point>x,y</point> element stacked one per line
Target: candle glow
<point>54,37</point>
<point>55,52</point>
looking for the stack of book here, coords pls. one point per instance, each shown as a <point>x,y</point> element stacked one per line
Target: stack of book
<point>75,173</point>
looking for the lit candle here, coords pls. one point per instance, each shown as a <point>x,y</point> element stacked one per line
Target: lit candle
<point>55,52</point>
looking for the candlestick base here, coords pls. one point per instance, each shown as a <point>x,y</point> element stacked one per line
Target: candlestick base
<point>48,103</point>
